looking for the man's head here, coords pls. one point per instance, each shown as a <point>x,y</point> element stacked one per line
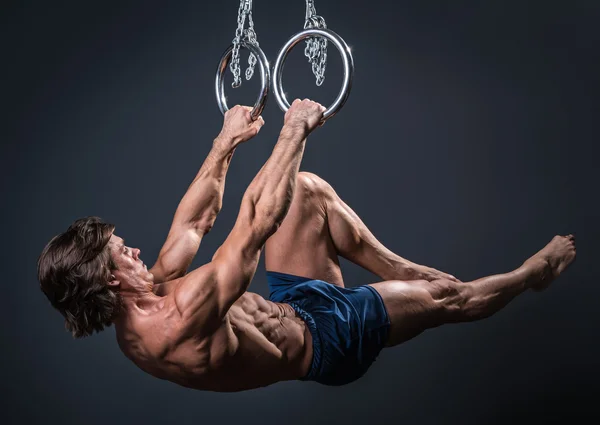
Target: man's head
<point>75,270</point>
<point>131,274</point>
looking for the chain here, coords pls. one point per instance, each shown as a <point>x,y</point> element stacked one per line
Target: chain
<point>241,34</point>
<point>316,47</point>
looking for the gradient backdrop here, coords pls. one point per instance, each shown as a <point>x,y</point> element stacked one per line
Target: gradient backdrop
<point>467,143</point>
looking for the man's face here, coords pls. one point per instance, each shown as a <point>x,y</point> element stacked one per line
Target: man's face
<point>128,261</point>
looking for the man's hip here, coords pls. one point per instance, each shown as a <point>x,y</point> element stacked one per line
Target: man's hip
<point>349,326</point>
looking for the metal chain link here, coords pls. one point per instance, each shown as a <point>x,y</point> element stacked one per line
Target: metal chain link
<point>316,47</point>
<point>241,34</point>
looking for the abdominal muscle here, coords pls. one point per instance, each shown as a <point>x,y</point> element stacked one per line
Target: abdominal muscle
<point>259,343</point>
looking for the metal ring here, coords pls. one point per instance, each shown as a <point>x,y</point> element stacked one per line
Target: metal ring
<point>347,60</point>
<point>265,78</point>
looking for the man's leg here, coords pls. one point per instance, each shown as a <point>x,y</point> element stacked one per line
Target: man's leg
<point>320,226</point>
<point>415,308</point>
<point>303,245</point>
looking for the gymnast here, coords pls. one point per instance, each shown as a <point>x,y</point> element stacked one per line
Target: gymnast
<point>203,330</point>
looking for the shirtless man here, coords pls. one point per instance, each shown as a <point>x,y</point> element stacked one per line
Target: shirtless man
<point>203,330</point>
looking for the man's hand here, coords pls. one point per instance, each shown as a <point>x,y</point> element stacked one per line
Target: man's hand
<point>304,115</point>
<point>238,125</point>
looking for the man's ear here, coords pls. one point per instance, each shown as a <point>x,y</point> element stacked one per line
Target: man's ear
<point>113,281</point>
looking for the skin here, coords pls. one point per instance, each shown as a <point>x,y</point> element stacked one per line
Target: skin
<point>203,330</point>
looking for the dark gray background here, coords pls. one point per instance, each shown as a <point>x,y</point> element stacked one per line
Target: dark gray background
<point>467,143</point>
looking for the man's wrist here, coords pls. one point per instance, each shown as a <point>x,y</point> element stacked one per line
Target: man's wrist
<point>293,132</point>
<point>224,142</point>
<point>408,270</point>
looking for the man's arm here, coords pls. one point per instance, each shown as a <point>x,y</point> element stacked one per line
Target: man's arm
<point>205,295</point>
<point>202,202</point>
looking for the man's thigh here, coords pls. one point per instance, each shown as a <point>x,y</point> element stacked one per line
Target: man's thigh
<point>302,246</point>
<point>411,308</point>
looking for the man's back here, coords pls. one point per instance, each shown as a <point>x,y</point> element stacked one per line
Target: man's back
<point>258,343</point>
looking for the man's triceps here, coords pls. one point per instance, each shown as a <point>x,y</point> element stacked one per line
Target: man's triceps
<point>196,299</point>
<point>205,295</point>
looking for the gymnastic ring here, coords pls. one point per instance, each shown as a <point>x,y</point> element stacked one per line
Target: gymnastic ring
<point>347,61</point>
<point>265,79</point>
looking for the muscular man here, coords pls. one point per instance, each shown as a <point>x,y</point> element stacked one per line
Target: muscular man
<point>203,330</point>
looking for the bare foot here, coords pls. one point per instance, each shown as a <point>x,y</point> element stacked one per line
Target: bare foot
<point>551,261</point>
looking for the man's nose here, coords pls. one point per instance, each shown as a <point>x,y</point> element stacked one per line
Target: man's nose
<point>137,253</point>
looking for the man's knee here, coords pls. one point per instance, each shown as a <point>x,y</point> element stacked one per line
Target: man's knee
<point>311,186</point>
<point>453,298</point>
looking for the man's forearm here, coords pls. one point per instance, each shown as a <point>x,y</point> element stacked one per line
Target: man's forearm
<point>204,198</point>
<point>272,190</point>
<point>263,209</point>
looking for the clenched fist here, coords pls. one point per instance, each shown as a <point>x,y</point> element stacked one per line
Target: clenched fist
<point>239,126</point>
<point>304,115</point>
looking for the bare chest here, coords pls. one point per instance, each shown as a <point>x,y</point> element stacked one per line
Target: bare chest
<point>258,343</point>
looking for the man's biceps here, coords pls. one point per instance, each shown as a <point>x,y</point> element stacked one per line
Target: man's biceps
<point>178,255</point>
<point>183,243</point>
<point>233,267</point>
<point>240,247</point>
<point>158,272</point>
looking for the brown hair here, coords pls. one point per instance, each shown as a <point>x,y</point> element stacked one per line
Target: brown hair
<point>74,269</point>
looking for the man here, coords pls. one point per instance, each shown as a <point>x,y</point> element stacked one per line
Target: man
<point>203,330</point>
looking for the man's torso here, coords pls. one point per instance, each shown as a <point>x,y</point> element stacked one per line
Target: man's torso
<point>258,343</point>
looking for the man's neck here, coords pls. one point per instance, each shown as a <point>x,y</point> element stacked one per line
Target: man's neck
<point>141,297</point>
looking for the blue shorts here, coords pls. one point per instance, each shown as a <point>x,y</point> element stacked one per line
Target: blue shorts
<point>349,326</point>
